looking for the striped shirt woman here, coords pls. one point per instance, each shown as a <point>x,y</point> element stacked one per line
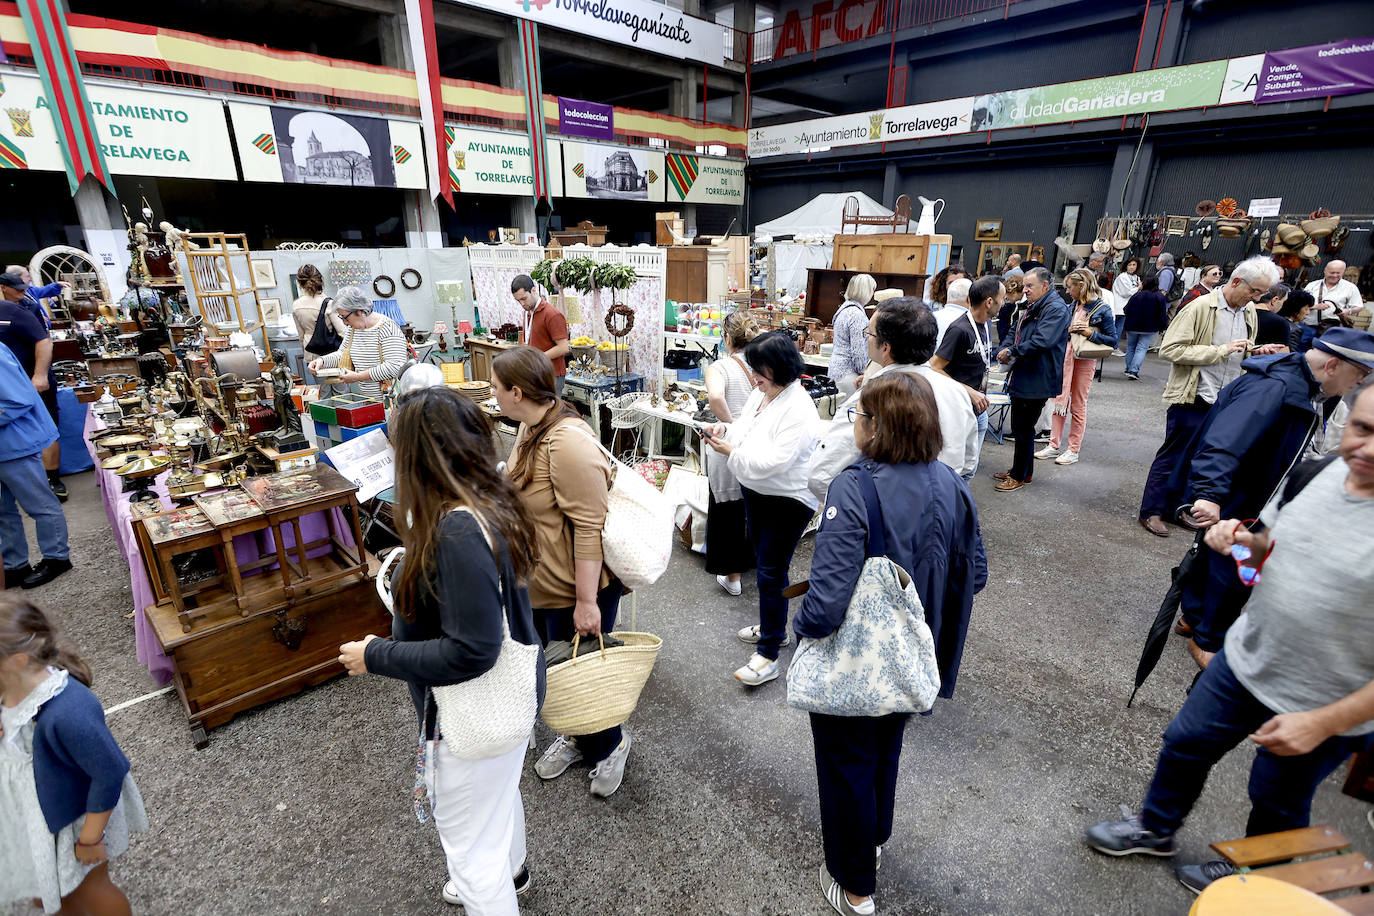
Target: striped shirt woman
<point>374,348</point>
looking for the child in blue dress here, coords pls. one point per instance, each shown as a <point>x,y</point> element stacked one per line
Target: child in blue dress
<point>65,788</point>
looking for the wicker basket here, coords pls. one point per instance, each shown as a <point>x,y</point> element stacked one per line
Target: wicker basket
<point>599,690</point>
<point>1320,227</point>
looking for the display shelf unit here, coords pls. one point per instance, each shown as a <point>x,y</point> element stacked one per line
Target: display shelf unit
<point>219,296</point>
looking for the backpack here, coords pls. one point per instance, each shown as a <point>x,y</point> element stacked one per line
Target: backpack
<point>324,339</point>
<point>1301,476</point>
<point>1176,288</point>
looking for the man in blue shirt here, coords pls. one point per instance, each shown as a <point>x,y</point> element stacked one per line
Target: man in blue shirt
<point>38,293</point>
<point>34,351</point>
<point>25,430</point>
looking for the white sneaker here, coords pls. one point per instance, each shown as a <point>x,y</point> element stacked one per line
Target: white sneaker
<point>608,774</point>
<point>758,671</point>
<point>522,882</point>
<point>834,895</point>
<point>562,754</point>
<point>1118,353</point>
<point>732,588</point>
<point>1048,451</point>
<point>751,635</point>
<point>1067,458</point>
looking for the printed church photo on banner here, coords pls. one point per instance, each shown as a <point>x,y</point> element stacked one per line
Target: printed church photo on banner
<point>318,147</point>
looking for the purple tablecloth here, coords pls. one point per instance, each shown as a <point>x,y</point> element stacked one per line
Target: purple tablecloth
<point>247,547</point>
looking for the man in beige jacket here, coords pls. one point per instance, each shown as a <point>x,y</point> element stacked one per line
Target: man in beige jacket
<point>1206,342</point>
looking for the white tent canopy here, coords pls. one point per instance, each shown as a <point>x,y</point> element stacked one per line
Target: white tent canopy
<point>822,215</point>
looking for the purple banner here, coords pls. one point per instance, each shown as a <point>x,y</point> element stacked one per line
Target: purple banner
<point>577,118</point>
<point>1316,71</point>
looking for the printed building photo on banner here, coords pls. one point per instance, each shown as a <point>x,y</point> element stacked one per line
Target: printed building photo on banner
<point>302,146</point>
<point>615,173</point>
<point>318,147</point>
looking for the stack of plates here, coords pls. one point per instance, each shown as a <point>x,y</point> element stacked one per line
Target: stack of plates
<point>478,391</point>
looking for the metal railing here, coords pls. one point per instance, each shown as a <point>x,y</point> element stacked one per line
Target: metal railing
<point>855,20</point>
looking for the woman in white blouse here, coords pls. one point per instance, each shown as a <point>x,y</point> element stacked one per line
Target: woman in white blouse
<point>768,448</point>
<point>1126,285</point>
<point>374,348</point>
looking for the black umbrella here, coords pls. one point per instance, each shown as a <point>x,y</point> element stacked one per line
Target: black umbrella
<point>1159,630</point>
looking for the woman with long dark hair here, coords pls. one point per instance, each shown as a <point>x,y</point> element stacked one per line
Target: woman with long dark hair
<point>458,592</point>
<point>563,478</point>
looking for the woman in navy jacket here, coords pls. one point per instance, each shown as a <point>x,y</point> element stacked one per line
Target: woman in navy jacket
<point>930,525</point>
<point>461,579</point>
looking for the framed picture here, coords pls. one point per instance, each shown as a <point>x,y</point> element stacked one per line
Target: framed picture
<point>295,287</point>
<point>271,309</point>
<point>1069,216</point>
<point>987,230</point>
<point>992,256</point>
<point>264,274</point>
<point>1176,225</point>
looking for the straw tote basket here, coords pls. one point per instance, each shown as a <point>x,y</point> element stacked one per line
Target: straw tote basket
<point>598,690</point>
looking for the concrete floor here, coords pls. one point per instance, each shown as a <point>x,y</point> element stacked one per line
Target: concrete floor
<point>304,805</point>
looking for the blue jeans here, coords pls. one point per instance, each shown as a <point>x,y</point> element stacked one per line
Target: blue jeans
<point>1137,345</point>
<point>1181,423</point>
<point>1120,327</point>
<point>776,524</point>
<point>1218,715</point>
<point>977,452</point>
<point>23,482</point>
<point>556,624</point>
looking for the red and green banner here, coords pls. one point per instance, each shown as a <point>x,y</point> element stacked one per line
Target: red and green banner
<point>51,44</point>
<point>534,110</point>
<point>682,172</point>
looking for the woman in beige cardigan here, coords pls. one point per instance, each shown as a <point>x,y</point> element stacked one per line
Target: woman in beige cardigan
<point>563,478</point>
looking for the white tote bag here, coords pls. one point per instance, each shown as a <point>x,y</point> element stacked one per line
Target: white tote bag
<point>493,713</point>
<point>637,537</point>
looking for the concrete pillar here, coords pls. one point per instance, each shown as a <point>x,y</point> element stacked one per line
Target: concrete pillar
<point>424,227</point>
<point>744,13</point>
<point>1129,188</point>
<point>508,58</point>
<point>890,185</point>
<point>107,240</point>
<point>522,214</point>
<point>394,41</point>
<point>685,94</point>
<point>689,219</point>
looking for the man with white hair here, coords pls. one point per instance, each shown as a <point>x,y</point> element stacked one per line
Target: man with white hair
<point>956,306</point>
<point>1205,342</point>
<point>1333,294</point>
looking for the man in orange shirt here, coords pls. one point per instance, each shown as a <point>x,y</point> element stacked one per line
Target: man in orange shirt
<point>545,327</point>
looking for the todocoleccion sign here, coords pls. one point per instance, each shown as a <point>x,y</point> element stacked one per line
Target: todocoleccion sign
<point>1316,71</point>
<point>593,120</point>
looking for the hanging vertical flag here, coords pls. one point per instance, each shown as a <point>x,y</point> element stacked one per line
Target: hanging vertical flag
<point>534,109</point>
<point>425,53</point>
<point>51,44</point>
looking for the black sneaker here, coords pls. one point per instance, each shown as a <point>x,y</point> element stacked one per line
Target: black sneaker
<point>1042,436</point>
<point>523,882</point>
<point>1197,877</point>
<point>59,489</point>
<point>1126,837</point>
<point>15,577</point>
<point>45,572</point>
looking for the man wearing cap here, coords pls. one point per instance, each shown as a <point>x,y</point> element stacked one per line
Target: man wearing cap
<point>38,293</point>
<point>27,335</point>
<point>25,428</point>
<point>1333,294</point>
<point>1255,433</point>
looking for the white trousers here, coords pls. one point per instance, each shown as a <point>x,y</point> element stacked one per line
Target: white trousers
<point>481,823</point>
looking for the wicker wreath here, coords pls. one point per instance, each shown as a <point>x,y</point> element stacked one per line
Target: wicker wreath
<point>624,311</point>
<point>390,287</point>
<point>418,278</point>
